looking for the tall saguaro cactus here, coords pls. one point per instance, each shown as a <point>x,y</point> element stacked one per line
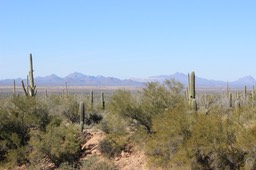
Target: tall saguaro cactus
<point>91,98</point>
<point>192,85</point>
<point>192,90</point>
<point>14,88</point>
<point>230,100</point>
<point>245,93</point>
<point>188,89</point>
<point>103,101</point>
<point>82,115</point>
<point>227,89</point>
<point>31,88</point>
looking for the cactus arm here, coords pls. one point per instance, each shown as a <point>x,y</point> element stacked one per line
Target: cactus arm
<point>24,89</point>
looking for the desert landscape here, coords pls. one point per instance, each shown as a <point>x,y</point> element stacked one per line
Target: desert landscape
<point>127,85</point>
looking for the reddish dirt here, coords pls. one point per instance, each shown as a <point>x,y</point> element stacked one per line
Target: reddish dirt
<point>133,159</point>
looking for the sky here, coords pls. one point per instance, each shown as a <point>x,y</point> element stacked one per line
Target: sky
<point>128,38</point>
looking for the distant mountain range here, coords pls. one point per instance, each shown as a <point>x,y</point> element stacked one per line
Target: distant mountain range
<point>79,79</point>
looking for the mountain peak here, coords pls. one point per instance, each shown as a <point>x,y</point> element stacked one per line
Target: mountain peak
<point>246,78</point>
<point>75,75</point>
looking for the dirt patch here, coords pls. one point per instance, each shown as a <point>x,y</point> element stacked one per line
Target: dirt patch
<point>133,159</point>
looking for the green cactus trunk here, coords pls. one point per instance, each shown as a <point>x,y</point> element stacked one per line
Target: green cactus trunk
<point>66,85</point>
<point>91,99</point>
<point>46,93</point>
<point>188,89</point>
<point>230,99</point>
<point>193,105</point>
<point>32,88</point>
<point>227,89</point>
<point>103,101</point>
<point>192,91</point>
<point>23,87</point>
<point>14,88</point>
<point>192,85</point>
<point>82,115</point>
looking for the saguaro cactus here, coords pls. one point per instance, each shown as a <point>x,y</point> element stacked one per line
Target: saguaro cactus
<point>188,89</point>
<point>227,89</point>
<point>192,85</point>
<point>82,115</point>
<point>66,85</point>
<point>230,99</point>
<point>245,93</point>
<point>24,88</point>
<point>192,91</point>
<point>46,93</point>
<point>31,88</point>
<point>91,99</point>
<point>14,88</point>
<point>103,101</point>
<point>193,104</point>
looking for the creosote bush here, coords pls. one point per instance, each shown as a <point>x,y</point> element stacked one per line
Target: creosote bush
<point>58,144</point>
<point>17,118</point>
<point>30,135</point>
<point>131,114</point>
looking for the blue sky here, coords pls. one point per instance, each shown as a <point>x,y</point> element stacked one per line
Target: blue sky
<point>128,38</point>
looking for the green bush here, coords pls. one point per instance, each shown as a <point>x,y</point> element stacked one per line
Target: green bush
<point>166,147</point>
<point>59,144</point>
<point>94,164</point>
<point>197,140</point>
<point>71,110</point>
<point>94,118</point>
<point>17,117</point>
<point>213,144</point>
<point>112,145</point>
<point>153,100</point>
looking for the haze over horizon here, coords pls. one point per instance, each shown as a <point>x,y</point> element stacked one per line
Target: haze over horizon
<point>125,39</point>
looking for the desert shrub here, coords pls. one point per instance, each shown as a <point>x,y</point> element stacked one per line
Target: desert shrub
<point>70,110</point>
<point>112,145</point>
<point>17,117</point>
<point>172,131</point>
<point>93,163</point>
<point>33,113</point>
<point>213,144</point>
<point>199,141</point>
<point>13,139</point>
<point>124,106</point>
<point>139,110</point>
<point>156,97</point>
<point>59,144</point>
<point>94,118</point>
<point>114,124</point>
<point>129,113</point>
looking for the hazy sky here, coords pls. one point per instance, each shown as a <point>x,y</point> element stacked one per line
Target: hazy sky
<point>128,38</point>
